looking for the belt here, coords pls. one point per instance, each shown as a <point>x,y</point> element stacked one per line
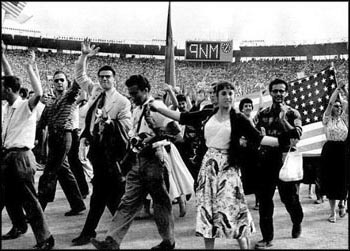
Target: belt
<point>59,130</point>
<point>14,149</point>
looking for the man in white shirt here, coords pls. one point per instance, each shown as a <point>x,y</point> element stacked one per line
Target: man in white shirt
<point>18,163</point>
<point>148,174</point>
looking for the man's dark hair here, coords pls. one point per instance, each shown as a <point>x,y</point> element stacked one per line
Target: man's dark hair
<point>276,82</point>
<point>12,82</point>
<point>23,92</point>
<point>61,72</point>
<point>180,98</point>
<point>139,80</point>
<point>106,68</point>
<point>222,85</point>
<point>245,101</point>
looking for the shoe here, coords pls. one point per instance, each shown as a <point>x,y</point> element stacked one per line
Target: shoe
<point>73,212</point>
<point>263,244</point>
<point>332,218</point>
<point>109,243</point>
<point>318,201</point>
<point>342,212</point>
<point>164,245</point>
<point>14,233</point>
<point>83,239</point>
<point>296,231</point>
<point>46,245</point>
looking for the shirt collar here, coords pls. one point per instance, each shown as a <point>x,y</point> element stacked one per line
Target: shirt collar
<point>110,92</point>
<point>16,103</point>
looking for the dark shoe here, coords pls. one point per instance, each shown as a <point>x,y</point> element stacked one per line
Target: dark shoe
<point>263,244</point>
<point>164,245</point>
<point>14,233</point>
<point>73,212</point>
<point>109,243</point>
<point>296,230</point>
<point>46,245</point>
<point>342,211</point>
<point>83,239</point>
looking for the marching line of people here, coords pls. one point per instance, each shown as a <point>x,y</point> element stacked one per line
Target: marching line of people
<point>159,149</point>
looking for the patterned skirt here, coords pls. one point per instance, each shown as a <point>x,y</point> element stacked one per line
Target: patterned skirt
<point>222,210</point>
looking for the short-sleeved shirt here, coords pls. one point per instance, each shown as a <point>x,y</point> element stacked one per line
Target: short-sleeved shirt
<point>336,128</point>
<point>19,124</point>
<point>217,134</point>
<point>159,120</point>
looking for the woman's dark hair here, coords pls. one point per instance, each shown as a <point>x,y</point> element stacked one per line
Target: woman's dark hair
<point>245,101</point>
<point>61,72</point>
<point>220,85</point>
<point>139,80</point>
<point>12,82</point>
<point>276,82</point>
<point>106,68</point>
<point>180,98</point>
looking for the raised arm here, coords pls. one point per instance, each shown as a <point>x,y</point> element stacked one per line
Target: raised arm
<point>333,99</point>
<point>87,50</point>
<point>4,63</point>
<point>34,80</point>
<point>169,90</point>
<point>172,114</point>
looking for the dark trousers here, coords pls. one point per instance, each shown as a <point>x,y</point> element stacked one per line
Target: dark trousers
<point>57,168</point>
<point>15,208</point>
<point>270,164</point>
<point>75,164</point>
<point>147,176</point>
<point>18,169</point>
<point>107,191</point>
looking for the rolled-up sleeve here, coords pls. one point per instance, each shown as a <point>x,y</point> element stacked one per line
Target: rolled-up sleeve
<point>82,78</point>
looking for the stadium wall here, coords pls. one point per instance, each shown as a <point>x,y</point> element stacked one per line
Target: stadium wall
<point>159,50</point>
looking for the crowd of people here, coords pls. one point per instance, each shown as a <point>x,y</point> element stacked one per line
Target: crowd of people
<point>142,142</point>
<point>246,76</point>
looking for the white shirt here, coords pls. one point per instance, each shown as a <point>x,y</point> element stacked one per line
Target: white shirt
<point>336,128</point>
<point>39,110</point>
<point>75,118</point>
<point>160,120</point>
<point>19,124</point>
<point>217,134</point>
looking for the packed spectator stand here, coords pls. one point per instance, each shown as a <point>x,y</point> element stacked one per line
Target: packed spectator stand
<point>245,75</point>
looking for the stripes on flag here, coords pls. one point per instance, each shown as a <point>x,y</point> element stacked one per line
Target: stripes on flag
<point>310,97</point>
<point>13,8</point>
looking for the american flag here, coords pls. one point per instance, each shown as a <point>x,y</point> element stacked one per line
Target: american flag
<point>310,97</point>
<point>13,8</point>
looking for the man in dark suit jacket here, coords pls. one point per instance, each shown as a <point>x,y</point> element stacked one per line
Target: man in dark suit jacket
<point>107,123</point>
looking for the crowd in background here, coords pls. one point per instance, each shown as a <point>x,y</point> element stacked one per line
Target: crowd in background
<point>245,75</point>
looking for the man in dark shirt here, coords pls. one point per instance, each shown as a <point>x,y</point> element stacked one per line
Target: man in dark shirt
<point>283,122</point>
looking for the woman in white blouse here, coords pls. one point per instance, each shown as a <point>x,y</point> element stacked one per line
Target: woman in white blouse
<point>334,174</point>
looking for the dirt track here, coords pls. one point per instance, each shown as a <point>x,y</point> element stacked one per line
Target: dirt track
<point>317,233</point>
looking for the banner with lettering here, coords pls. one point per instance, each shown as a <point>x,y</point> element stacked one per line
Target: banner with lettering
<point>215,51</point>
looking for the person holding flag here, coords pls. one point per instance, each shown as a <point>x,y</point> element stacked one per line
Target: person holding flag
<point>334,174</point>
<point>281,121</point>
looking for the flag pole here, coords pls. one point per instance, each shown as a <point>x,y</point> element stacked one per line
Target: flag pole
<point>169,53</point>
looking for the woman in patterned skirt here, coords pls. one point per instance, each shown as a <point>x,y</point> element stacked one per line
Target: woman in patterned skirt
<point>222,210</point>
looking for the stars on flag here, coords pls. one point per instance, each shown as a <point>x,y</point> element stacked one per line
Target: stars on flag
<point>310,95</point>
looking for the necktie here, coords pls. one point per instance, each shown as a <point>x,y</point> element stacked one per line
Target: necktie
<point>102,100</point>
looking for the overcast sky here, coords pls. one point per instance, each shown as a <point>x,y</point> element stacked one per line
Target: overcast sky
<point>237,21</point>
